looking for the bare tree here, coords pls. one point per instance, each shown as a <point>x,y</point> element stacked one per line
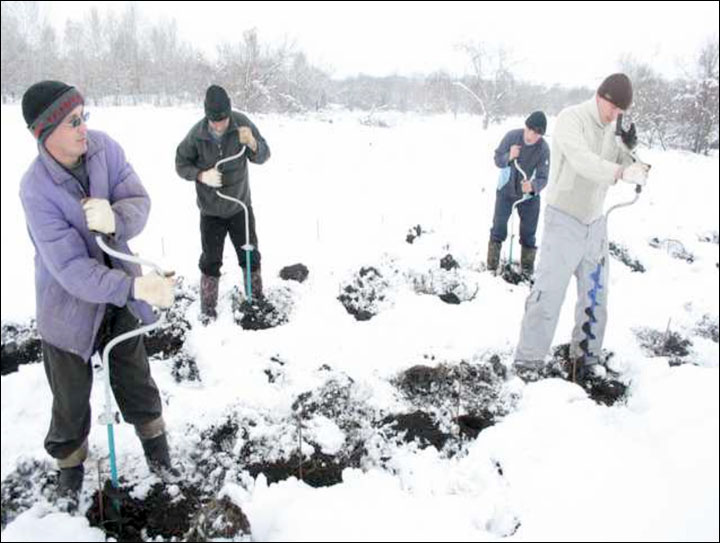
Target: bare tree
<point>652,107</point>
<point>491,80</point>
<point>696,128</point>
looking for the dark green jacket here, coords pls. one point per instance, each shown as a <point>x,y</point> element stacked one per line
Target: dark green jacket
<point>199,152</point>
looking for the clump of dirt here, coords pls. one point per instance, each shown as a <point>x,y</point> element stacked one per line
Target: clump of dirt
<point>165,512</point>
<point>417,425</point>
<point>468,397</point>
<point>510,275</point>
<point>20,345</point>
<point>168,339</point>
<point>364,296</point>
<point>449,282</point>
<point>219,519</point>
<point>708,328</point>
<point>621,252</point>
<point>184,368</point>
<point>296,272</point>
<point>605,387</point>
<point>268,311</point>
<point>413,233</point>
<point>668,343</point>
<point>448,263</point>
<point>317,470</point>
<point>30,481</point>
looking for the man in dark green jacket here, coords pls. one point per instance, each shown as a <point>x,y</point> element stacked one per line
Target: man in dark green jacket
<point>220,134</point>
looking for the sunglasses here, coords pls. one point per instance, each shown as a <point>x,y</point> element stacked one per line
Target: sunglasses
<point>79,119</point>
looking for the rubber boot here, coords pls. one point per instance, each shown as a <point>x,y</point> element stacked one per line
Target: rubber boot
<point>493,255</point>
<point>70,481</point>
<point>157,455</point>
<point>527,261</point>
<point>209,296</point>
<point>255,283</point>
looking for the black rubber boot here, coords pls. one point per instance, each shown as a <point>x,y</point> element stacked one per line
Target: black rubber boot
<point>157,454</point>
<point>493,255</point>
<point>70,484</point>
<point>209,296</point>
<point>255,283</point>
<point>527,261</point>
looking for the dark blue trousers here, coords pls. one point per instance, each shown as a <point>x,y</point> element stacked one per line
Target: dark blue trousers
<point>528,211</point>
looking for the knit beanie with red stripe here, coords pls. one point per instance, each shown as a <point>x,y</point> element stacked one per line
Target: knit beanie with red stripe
<point>46,104</point>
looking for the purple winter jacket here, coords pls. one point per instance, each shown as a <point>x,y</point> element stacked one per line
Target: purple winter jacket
<point>72,282</point>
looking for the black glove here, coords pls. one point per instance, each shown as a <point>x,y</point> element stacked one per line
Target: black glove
<point>629,137</point>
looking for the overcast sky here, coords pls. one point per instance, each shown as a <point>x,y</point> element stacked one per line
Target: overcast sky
<point>550,42</point>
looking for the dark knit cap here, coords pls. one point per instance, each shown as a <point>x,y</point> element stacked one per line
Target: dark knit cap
<point>617,90</point>
<point>537,122</point>
<point>217,103</point>
<point>46,104</point>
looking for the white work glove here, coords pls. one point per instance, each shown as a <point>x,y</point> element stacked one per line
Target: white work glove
<point>99,215</point>
<point>155,289</point>
<point>212,178</point>
<point>636,174</point>
<point>245,136</point>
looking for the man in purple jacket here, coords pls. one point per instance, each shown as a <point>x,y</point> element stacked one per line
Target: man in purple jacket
<point>79,185</point>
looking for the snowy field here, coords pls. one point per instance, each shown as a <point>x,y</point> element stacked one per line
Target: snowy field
<point>338,195</point>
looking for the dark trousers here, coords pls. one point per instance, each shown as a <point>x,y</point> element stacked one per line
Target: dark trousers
<point>213,231</point>
<point>71,378</point>
<point>528,211</point>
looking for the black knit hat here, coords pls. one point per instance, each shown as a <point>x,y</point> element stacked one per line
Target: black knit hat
<point>46,104</point>
<point>217,103</point>
<point>617,90</point>
<point>537,122</point>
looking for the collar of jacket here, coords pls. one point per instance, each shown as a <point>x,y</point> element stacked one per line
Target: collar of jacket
<point>592,108</point>
<point>57,172</point>
<point>205,129</point>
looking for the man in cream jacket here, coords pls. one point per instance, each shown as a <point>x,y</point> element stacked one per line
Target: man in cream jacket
<point>587,161</point>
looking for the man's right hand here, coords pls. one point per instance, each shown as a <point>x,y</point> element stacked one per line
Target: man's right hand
<point>629,137</point>
<point>155,289</point>
<point>636,174</point>
<point>211,178</point>
<point>514,152</point>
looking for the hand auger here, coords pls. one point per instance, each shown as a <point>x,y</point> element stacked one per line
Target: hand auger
<point>108,417</point>
<point>247,247</point>
<point>525,198</point>
<point>595,276</point>
<point>633,155</point>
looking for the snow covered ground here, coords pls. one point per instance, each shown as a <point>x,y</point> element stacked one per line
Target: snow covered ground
<point>339,195</point>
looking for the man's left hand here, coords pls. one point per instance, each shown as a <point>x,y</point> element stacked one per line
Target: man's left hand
<point>246,137</point>
<point>527,187</point>
<point>99,215</point>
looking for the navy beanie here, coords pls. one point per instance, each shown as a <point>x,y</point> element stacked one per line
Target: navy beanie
<point>537,122</point>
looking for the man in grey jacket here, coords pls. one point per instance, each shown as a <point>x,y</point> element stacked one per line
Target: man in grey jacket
<point>222,133</point>
<point>587,161</point>
<point>78,186</point>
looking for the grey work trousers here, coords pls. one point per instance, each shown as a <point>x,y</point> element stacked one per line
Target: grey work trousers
<point>569,247</point>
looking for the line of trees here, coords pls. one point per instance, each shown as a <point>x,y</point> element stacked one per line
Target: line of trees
<point>123,59</point>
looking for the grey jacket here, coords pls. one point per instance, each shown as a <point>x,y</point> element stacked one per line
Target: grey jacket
<point>199,152</point>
